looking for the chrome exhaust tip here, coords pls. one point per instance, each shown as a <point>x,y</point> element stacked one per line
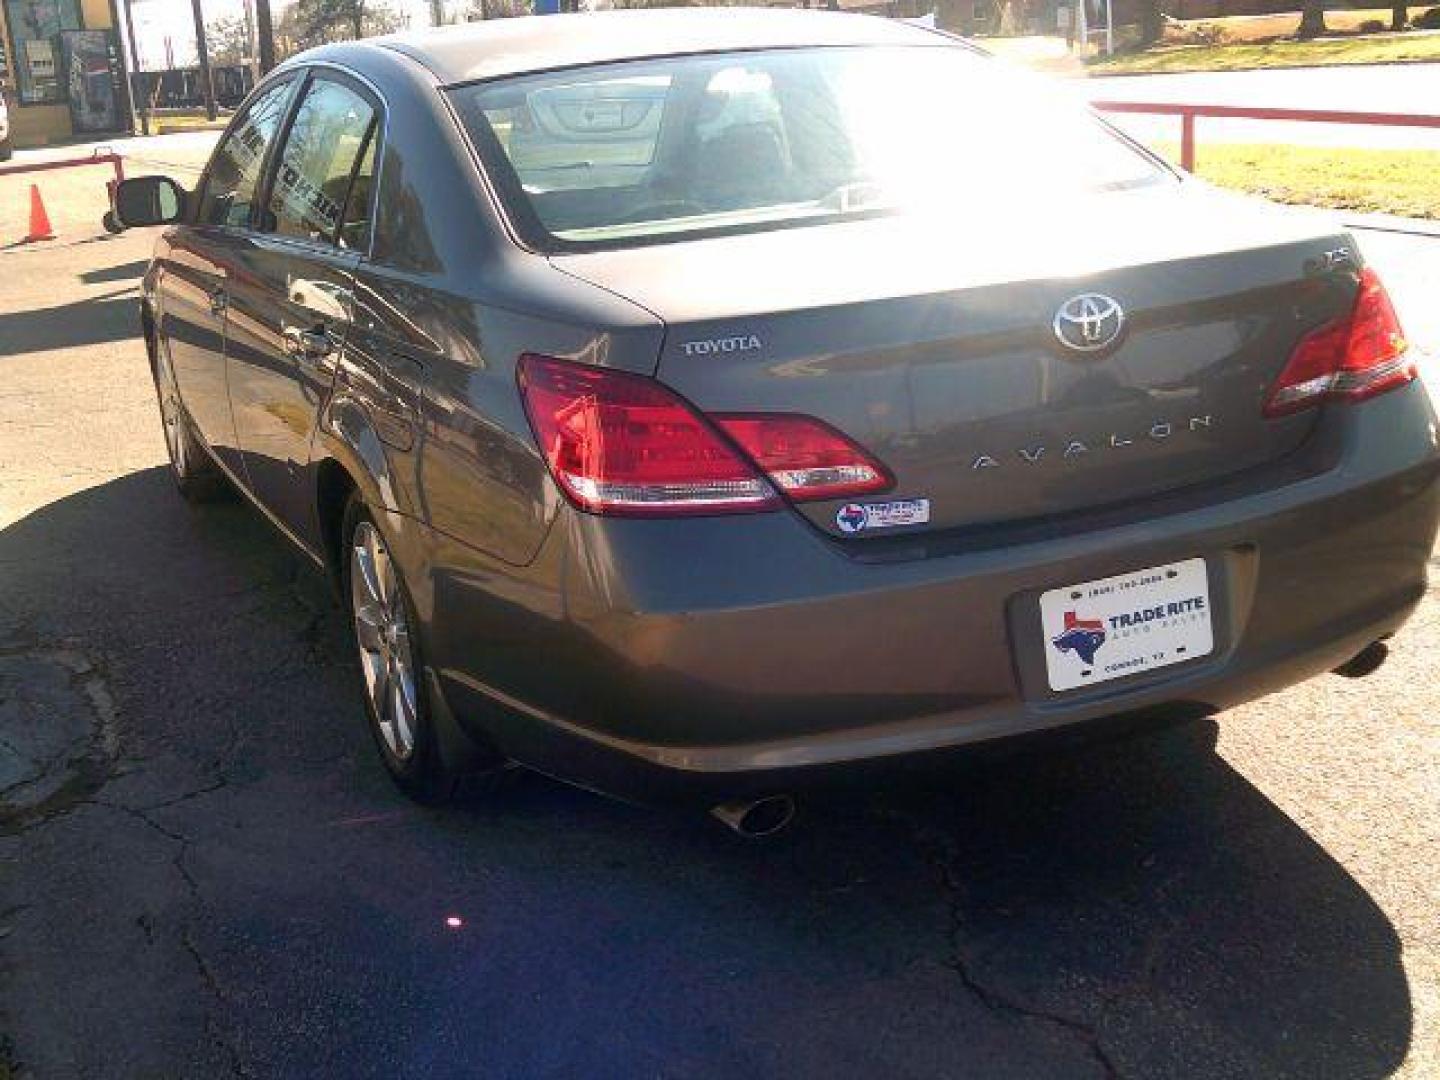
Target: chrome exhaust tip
<point>755,819</point>
<point>1366,662</point>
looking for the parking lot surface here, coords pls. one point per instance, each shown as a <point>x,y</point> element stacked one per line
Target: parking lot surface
<point>204,871</point>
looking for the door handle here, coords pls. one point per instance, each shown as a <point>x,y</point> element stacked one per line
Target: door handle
<point>219,301</point>
<point>313,344</point>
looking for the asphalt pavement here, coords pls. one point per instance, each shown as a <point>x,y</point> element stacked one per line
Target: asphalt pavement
<point>204,871</point>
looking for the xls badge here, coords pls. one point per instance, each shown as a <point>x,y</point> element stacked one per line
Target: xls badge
<point>856,517</point>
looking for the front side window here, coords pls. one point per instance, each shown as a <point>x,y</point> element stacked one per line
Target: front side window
<point>638,151</point>
<point>233,181</point>
<point>329,137</point>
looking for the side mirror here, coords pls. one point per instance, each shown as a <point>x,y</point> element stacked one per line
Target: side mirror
<point>148,200</point>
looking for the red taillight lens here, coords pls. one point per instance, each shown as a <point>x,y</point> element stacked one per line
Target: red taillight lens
<point>624,444</point>
<point>804,457</point>
<point>1349,359</point>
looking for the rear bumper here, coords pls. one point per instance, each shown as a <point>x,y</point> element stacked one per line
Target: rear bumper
<point>716,658</point>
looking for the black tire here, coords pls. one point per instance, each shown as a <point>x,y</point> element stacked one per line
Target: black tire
<point>7,150</point>
<point>422,774</point>
<point>196,476</point>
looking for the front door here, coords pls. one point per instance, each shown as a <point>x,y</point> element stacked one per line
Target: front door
<point>194,296</point>
<point>290,296</point>
<point>192,332</point>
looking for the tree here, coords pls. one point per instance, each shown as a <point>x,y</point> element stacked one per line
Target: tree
<point>318,21</point>
<point>265,31</point>
<point>1312,20</point>
<point>287,34</point>
<point>1399,16</point>
<point>229,40</point>
<point>1152,23</point>
<point>957,16</point>
<point>496,9</point>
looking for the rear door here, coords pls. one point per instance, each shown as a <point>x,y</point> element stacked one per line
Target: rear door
<point>194,286</point>
<point>291,296</point>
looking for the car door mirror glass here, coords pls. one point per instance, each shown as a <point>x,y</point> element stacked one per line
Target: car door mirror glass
<point>148,200</point>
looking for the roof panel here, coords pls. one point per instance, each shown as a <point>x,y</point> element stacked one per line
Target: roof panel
<point>483,50</point>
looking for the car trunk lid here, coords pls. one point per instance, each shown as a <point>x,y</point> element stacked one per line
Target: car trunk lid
<point>937,350</point>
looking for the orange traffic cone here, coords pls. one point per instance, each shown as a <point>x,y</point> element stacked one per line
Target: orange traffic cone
<point>39,220</point>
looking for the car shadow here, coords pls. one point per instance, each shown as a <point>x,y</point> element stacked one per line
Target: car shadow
<point>84,322</point>
<point>129,272</point>
<point>1124,907</point>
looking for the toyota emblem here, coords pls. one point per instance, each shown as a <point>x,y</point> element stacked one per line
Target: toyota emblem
<point>1089,322</point>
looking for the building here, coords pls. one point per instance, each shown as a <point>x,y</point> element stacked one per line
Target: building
<point>61,69</point>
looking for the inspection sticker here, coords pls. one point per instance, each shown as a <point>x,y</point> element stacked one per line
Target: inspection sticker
<point>854,517</point>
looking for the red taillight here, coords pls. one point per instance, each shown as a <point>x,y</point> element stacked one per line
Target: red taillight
<point>624,444</point>
<point>805,458</point>
<point>1349,359</point>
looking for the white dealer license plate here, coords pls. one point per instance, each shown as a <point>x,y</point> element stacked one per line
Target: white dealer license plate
<point>1123,625</point>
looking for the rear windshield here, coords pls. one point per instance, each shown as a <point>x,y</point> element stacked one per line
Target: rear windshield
<point>637,152</point>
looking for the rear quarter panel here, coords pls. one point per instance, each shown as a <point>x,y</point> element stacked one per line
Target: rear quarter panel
<point>427,399</point>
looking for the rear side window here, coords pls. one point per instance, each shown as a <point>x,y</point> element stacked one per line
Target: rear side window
<point>317,167</point>
<point>355,226</point>
<point>233,181</point>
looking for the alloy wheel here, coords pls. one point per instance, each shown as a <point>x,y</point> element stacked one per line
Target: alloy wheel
<point>170,415</point>
<point>382,632</point>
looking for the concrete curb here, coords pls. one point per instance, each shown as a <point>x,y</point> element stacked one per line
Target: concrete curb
<point>1391,223</point>
<point>1093,73</point>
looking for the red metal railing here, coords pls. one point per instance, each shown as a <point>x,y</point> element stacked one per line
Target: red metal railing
<point>97,158</point>
<point>1188,113</point>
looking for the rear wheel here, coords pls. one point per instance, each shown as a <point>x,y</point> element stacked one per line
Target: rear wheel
<point>7,150</point>
<point>387,638</point>
<point>197,477</point>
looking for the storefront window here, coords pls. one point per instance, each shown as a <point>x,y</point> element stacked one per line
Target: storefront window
<point>35,27</point>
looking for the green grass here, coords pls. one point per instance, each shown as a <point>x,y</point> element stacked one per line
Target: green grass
<point>1370,49</point>
<point>1403,182</point>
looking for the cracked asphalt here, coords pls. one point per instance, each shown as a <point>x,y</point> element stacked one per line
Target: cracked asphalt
<point>215,878</point>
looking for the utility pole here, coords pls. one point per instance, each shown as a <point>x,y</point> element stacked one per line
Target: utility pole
<point>207,84</point>
<point>139,106</point>
<point>250,54</point>
<point>265,31</point>
<point>138,74</point>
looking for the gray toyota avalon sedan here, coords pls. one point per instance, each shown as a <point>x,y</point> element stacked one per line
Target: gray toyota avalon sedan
<point>691,404</point>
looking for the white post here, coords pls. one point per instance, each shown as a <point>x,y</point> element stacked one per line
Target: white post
<point>1082,27</point>
<point>1109,29</point>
